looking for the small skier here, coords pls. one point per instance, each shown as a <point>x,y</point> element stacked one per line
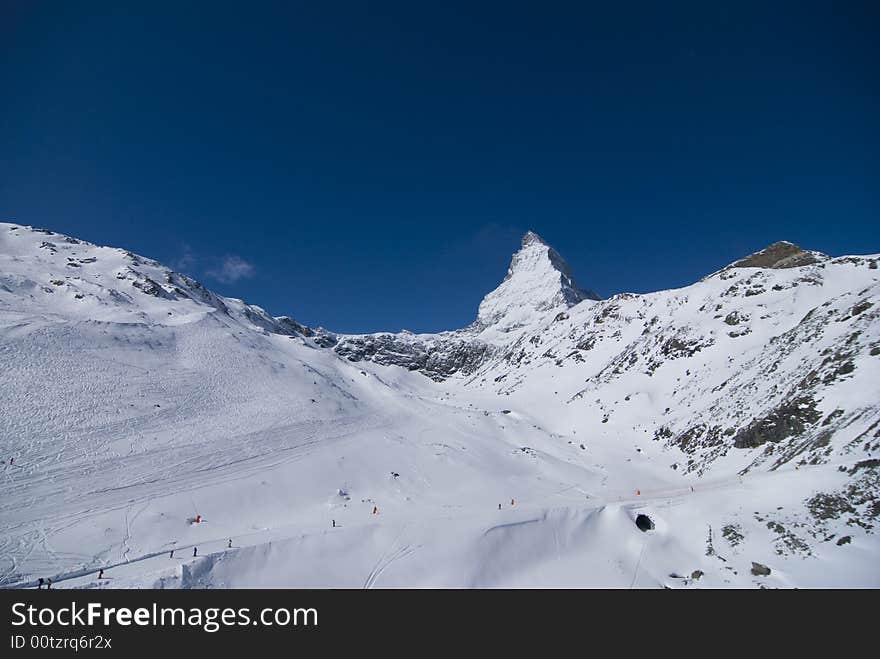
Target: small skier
<point>171,555</point>
<point>375,510</point>
<point>334,523</point>
<point>229,546</point>
<point>101,573</point>
<point>512,502</point>
<point>195,551</point>
<point>499,506</point>
<point>692,488</point>
<point>48,584</point>
<point>40,584</point>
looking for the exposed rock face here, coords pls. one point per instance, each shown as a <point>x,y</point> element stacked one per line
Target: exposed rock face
<point>438,358</point>
<point>790,419</point>
<point>779,255</point>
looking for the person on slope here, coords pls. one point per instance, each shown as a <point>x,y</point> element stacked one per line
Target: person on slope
<point>195,551</point>
<point>40,584</point>
<point>229,546</point>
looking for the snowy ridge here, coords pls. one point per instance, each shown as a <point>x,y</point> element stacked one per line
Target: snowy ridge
<point>740,414</point>
<point>41,269</point>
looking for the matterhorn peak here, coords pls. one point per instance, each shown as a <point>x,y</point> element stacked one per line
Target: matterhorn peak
<point>538,280</point>
<point>531,238</point>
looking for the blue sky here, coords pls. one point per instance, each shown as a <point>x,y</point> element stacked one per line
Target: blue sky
<point>372,166</point>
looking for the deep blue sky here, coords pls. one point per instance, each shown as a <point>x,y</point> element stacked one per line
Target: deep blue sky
<point>372,166</point>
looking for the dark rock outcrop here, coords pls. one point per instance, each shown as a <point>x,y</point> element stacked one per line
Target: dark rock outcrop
<point>789,419</point>
<point>777,256</point>
<point>438,358</point>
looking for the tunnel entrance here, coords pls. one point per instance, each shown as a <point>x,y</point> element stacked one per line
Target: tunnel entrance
<point>644,523</point>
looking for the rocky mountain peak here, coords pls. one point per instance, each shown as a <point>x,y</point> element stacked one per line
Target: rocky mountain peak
<point>779,255</point>
<point>531,238</point>
<point>538,279</point>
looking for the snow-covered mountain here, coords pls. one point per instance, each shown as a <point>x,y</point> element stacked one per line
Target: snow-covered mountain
<point>538,282</point>
<point>740,414</point>
<point>86,281</point>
